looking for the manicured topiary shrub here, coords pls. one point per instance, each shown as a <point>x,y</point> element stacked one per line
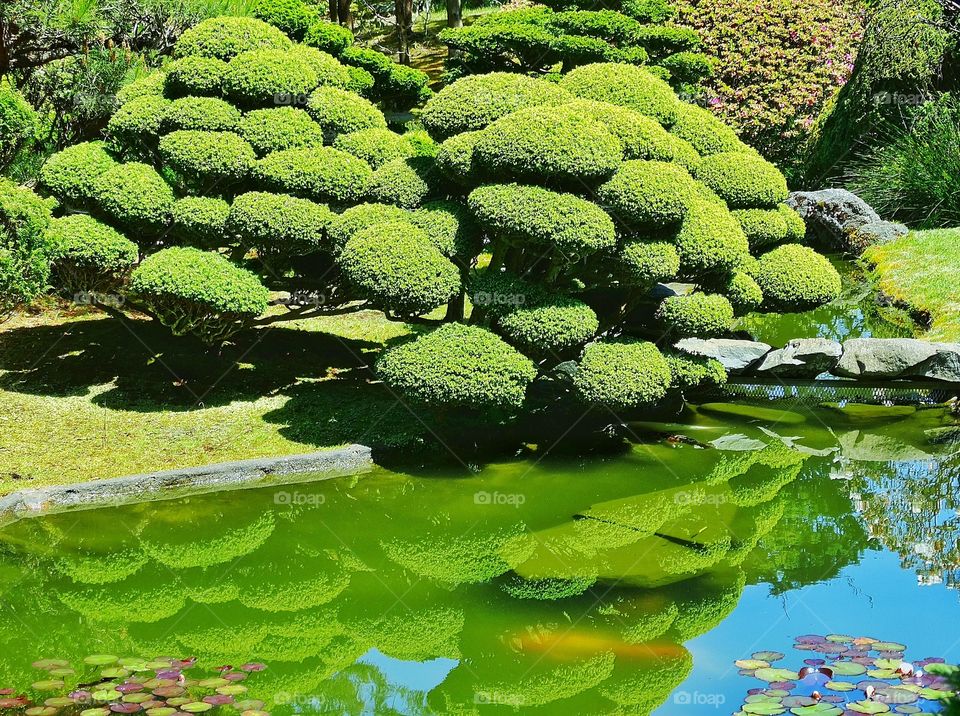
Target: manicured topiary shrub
<point>697,314</point>
<point>200,220</point>
<point>134,196</point>
<point>328,37</point>
<point>24,248</point>
<point>404,182</point>
<point>195,76</point>
<point>361,82</point>
<point>395,266</point>
<point>450,227</point>
<point>549,327</point>
<point>340,112</point>
<point>139,120</point>
<point>622,374</point>
<point>262,77</point>
<point>648,194</point>
<point>767,227</point>
<point>277,225</point>
<point>624,85</point>
<point>570,226</point>
<point>743,180</point>
<point>330,73</point>
<point>292,17</point>
<point>393,85</point>
<point>207,114</point>
<point>455,158</point>
<point>198,292</point>
<point>72,173</point>
<point>458,366</point>
<point>743,291</point>
<point>88,255</point>
<point>152,83</point>
<point>344,226</point>
<point>705,133</point>
<point>642,137</point>
<point>18,122</point>
<point>476,101</point>
<point>273,130</point>
<point>644,263</point>
<point>710,239</point>
<point>322,173</point>
<point>794,278</point>
<point>375,146</point>
<point>548,144</point>
<point>224,38</point>
<point>694,371</point>
<point>207,158</point>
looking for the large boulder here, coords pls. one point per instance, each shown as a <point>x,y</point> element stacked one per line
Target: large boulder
<point>801,358</point>
<point>843,220</point>
<point>735,355</point>
<point>899,358</point>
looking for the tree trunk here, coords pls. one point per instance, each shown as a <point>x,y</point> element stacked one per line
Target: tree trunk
<point>404,13</point>
<point>454,16</point>
<point>334,11</point>
<point>345,15</point>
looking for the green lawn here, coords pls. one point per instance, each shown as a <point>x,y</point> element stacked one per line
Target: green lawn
<point>85,396</point>
<point>922,271</point>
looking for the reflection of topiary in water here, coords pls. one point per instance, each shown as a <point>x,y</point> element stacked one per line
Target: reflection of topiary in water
<point>543,684</point>
<point>547,589</point>
<point>413,635</point>
<point>178,550</point>
<point>704,603</point>
<point>92,568</point>
<point>127,601</point>
<point>644,688</point>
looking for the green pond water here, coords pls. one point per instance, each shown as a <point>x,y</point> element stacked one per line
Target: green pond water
<point>618,583</point>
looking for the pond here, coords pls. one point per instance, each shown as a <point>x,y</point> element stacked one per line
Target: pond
<point>613,583</point>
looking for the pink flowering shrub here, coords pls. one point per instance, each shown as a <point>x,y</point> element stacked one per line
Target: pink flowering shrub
<point>777,63</point>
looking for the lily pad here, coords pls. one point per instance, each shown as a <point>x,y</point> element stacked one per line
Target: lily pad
<point>820,709</point>
<point>196,707</point>
<point>106,695</point>
<point>99,711</point>
<point>59,702</point>
<point>47,685</point>
<point>868,707</point>
<point>848,668</point>
<point>770,656</point>
<point>752,663</point>
<point>41,711</point>
<point>101,660</point>
<point>840,686</point>
<point>887,646</point>
<point>763,708</point>
<point>160,711</point>
<point>772,674</point>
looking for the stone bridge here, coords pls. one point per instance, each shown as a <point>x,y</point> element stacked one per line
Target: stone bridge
<point>877,362</point>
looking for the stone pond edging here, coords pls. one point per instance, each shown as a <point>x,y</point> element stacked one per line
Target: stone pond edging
<point>170,484</point>
<point>857,358</point>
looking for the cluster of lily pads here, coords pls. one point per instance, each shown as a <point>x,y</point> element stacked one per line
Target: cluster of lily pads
<point>104,684</point>
<point>853,676</point>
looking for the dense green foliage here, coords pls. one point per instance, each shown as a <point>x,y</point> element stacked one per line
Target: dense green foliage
<point>224,38</point>
<point>276,225</point>
<point>88,255</point>
<point>794,276</point>
<point>18,122</point>
<point>24,264</point>
<point>699,314</point>
<point>622,374</point>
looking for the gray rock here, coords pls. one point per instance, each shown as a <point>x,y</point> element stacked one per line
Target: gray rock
<point>872,447</point>
<point>801,358</point>
<point>882,357</point>
<point>899,358</point>
<point>735,355</point>
<point>833,215</point>
<point>876,232</point>
<point>667,290</point>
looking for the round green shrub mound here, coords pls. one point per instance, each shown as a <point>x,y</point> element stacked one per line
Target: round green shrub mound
<point>278,224</point>
<point>644,263</point>
<point>71,173</point>
<point>404,182</point>
<point>356,218</point>
<point>328,37</point>
<point>320,173</point>
<point>330,73</point>
<point>200,220</point>
<point>455,158</point>
<point>450,227</point>
<point>796,278</point>
<point>694,371</point>
<point>547,143</point>
<point>273,130</point>
<point>361,81</point>
<point>139,120</point>
<point>261,77</point>
<point>697,314</point>
<point>396,268</point>
<point>550,327</point>
<point>88,255</point>
<point>763,227</point>
<point>707,134</point>
<point>375,146</point>
<point>796,227</point>
<point>476,101</point>
<point>292,17</point>
<point>648,193</point>
<point>226,37</point>
<point>624,85</point>
<point>458,366</point>
<point>210,156</point>
<point>134,195</point>
<point>18,121</point>
<point>193,291</point>
<point>743,180</point>
<point>24,266</point>
<point>642,137</point>
<point>195,76</point>
<point>574,227</point>
<point>206,114</point>
<point>744,293</point>
<point>152,83</point>
<point>710,239</point>
<point>340,112</point>
<point>621,374</point>
<point>684,154</point>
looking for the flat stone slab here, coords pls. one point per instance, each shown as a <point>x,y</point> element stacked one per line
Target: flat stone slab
<point>801,358</point>
<point>735,355</point>
<point>899,358</point>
